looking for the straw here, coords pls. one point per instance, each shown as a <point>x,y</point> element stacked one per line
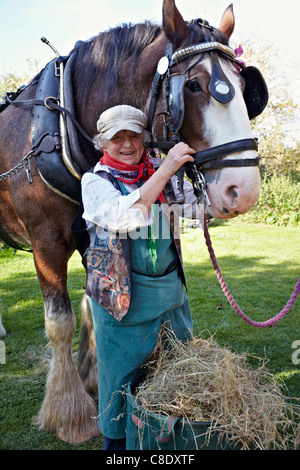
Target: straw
<point>201,381</point>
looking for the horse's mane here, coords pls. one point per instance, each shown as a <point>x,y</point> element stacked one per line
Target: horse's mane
<point>109,50</point>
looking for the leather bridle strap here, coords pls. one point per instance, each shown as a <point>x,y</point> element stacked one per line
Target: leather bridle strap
<point>212,159</point>
<point>205,158</point>
<point>214,165</point>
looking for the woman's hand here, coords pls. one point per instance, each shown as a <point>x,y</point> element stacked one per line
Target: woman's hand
<point>151,189</point>
<point>176,157</point>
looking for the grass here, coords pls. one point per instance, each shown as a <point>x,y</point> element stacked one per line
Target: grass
<point>261,265</point>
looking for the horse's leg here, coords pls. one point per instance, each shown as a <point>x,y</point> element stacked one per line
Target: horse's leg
<point>67,408</point>
<point>2,329</point>
<point>87,359</point>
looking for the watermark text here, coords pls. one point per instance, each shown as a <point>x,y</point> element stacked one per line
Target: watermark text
<point>296,353</point>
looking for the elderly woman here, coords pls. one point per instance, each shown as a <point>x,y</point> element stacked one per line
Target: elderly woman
<point>135,281</point>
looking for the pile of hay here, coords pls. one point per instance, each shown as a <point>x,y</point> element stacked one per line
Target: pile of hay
<point>201,381</point>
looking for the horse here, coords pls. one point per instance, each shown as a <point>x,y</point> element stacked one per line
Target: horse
<point>209,105</point>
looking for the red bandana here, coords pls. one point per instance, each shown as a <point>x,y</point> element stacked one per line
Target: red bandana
<point>130,174</point>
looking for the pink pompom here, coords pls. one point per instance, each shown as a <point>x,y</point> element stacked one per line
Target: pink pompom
<point>239,51</point>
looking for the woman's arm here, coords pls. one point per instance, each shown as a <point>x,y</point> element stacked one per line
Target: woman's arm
<point>151,189</point>
<point>106,207</point>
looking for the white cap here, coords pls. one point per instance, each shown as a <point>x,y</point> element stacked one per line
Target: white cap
<point>121,117</point>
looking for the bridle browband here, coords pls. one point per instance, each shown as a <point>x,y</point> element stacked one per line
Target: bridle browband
<point>211,158</point>
<point>202,47</point>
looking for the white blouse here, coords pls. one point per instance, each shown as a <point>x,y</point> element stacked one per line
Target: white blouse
<point>105,207</point>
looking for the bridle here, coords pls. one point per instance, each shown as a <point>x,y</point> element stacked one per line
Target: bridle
<point>172,86</point>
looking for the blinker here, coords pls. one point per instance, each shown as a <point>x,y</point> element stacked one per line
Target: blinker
<point>176,99</point>
<point>219,86</point>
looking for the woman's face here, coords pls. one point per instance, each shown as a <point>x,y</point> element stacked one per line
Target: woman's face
<point>126,146</point>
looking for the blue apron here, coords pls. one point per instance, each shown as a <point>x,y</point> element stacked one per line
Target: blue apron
<point>158,297</point>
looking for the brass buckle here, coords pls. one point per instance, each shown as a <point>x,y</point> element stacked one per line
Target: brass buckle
<point>51,98</point>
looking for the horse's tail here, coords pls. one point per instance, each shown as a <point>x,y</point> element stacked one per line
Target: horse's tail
<point>87,360</point>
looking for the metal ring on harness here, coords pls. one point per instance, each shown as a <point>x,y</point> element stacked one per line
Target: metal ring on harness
<point>51,98</point>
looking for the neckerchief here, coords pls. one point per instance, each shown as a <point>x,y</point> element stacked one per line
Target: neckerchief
<point>130,174</point>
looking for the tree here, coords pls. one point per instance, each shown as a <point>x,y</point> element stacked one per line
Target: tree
<point>279,152</point>
<point>277,148</point>
<point>11,81</point>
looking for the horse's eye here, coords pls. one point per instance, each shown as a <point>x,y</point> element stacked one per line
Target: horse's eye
<point>193,85</point>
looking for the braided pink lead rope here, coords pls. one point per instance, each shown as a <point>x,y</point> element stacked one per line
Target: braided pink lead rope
<point>271,321</point>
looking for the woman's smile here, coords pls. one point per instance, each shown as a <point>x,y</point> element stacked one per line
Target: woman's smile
<point>126,146</point>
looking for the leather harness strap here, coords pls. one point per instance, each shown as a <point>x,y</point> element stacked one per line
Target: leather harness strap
<point>51,103</point>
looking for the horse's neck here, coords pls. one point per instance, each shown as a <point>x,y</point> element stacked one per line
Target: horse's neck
<point>134,89</point>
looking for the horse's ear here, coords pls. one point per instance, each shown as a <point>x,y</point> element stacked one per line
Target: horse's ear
<point>227,22</point>
<point>174,25</point>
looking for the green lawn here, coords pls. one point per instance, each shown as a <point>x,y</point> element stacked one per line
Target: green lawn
<point>261,265</point>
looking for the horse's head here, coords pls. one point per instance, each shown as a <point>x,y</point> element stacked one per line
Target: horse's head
<point>211,104</point>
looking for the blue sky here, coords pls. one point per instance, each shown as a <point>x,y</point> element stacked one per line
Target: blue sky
<point>64,22</point>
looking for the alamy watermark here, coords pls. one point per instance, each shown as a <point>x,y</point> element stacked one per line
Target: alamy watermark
<point>131,222</point>
<point>296,353</point>
<point>2,353</point>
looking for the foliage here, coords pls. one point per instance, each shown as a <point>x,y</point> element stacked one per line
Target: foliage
<point>11,81</point>
<point>278,203</point>
<point>278,149</point>
<point>277,158</point>
<point>281,108</point>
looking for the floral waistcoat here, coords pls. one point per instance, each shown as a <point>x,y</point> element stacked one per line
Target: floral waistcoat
<point>108,263</point>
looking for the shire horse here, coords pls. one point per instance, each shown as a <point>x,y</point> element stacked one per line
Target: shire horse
<point>118,67</point>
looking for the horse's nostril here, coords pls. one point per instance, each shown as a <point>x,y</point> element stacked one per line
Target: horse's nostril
<point>230,198</point>
<point>231,195</point>
<point>232,191</point>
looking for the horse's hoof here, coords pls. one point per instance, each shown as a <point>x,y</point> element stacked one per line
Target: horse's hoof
<point>90,435</point>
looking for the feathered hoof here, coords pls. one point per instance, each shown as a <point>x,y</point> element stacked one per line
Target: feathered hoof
<point>89,435</point>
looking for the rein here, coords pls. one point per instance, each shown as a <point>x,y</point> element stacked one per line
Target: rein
<point>173,104</point>
<point>234,305</point>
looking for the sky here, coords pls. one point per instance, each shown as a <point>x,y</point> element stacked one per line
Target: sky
<point>63,22</point>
